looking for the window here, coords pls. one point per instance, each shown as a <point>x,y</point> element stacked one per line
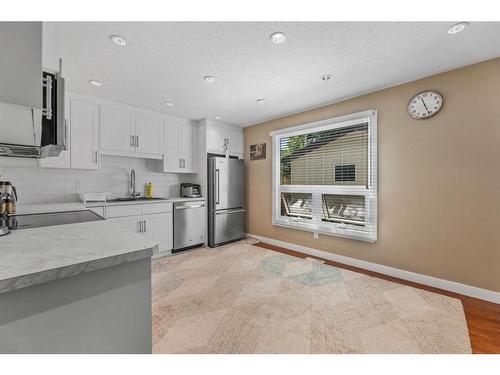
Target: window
<point>345,173</point>
<point>324,176</point>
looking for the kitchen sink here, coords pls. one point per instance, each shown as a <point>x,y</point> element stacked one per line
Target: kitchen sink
<point>132,199</point>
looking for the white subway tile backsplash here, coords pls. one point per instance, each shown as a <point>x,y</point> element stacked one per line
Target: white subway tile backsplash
<point>49,185</point>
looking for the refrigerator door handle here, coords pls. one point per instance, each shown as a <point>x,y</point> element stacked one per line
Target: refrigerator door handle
<point>217,186</point>
<point>230,211</point>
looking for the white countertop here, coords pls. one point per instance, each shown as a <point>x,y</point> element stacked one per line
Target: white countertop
<point>38,255</point>
<point>76,206</point>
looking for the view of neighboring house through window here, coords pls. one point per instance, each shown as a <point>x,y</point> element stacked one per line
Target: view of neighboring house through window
<point>345,172</point>
<point>325,176</point>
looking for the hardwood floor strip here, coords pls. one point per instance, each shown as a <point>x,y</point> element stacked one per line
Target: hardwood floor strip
<point>483,317</point>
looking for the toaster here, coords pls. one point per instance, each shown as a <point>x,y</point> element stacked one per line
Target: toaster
<point>190,190</point>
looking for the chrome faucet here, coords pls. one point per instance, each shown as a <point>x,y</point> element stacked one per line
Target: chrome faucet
<point>132,185</point>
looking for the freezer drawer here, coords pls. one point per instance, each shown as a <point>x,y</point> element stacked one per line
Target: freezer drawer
<point>189,224</point>
<point>227,225</point>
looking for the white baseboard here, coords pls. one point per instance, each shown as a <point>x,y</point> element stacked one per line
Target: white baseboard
<point>467,290</point>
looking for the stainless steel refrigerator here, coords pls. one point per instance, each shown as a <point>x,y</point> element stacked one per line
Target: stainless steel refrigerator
<point>226,200</point>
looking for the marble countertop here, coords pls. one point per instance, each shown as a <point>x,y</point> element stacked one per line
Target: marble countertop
<point>38,255</point>
<point>76,206</point>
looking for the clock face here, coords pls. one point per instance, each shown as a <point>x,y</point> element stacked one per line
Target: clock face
<point>425,105</point>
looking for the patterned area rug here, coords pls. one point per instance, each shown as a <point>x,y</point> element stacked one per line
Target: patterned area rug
<point>241,298</point>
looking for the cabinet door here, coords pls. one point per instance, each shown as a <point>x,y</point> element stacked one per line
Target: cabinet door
<point>149,132</point>
<point>173,145</point>
<point>215,139</point>
<point>131,223</point>
<point>189,149</point>
<point>158,228</point>
<point>117,130</point>
<point>84,135</point>
<point>64,158</point>
<point>235,142</point>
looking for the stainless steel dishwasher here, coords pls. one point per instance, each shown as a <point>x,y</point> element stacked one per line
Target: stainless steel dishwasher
<point>189,225</point>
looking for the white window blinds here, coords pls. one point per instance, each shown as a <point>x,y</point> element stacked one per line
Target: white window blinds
<point>324,176</point>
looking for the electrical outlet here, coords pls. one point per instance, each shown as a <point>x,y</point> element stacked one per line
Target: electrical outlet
<point>316,235</point>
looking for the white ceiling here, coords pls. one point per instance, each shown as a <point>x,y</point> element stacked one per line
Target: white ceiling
<point>167,61</point>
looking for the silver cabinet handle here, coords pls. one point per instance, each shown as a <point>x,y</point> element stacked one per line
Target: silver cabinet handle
<point>188,207</point>
<point>137,140</point>
<point>132,141</point>
<point>94,157</point>
<point>183,163</point>
<point>217,200</point>
<point>180,163</point>
<point>145,229</point>
<point>140,226</point>
<point>66,143</point>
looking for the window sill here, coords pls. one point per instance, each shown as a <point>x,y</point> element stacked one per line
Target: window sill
<point>335,232</point>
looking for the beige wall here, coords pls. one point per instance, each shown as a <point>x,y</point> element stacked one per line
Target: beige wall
<point>439,179</point>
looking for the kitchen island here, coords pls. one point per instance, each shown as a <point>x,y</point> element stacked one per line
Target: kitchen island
<point>76,288</point>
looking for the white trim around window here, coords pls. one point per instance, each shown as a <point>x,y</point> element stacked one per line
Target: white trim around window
<point>314,223</point>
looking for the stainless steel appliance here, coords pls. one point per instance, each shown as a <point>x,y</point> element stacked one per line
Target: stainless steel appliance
<point>190,190</point>
<point>189,225</point>
<point>7,189</point>
<point>226,200</point>
<point>31,101</point>
<point>26,221</point>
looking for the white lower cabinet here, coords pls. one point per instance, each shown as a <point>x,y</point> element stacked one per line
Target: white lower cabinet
<point>131,223</point>
<point>154,229</point>
<point>153,221</point>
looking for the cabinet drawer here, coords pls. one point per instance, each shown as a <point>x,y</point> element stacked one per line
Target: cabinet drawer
<point>156,208</point>
<point>125,210</point>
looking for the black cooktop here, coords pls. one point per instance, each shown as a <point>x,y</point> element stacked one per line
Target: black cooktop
<point>16,222</point>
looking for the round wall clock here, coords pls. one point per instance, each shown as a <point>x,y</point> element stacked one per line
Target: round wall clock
<point>425,104</point>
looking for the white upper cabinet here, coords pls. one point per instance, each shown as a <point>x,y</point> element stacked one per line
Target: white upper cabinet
<point>117,131</point>
<point>127,133</point>
<point>172,159</point>
<point>189,149</point>
<point>84,125</point>
<point>219,135</point>
<point>181,143</point>
<point>82,132</point>
<point>51,46</point>
<point>149,134</point>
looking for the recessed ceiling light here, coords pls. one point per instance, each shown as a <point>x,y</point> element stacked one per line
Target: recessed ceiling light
<point>95,82</point>
<point>278,37</point>
<point>169,104</point>
<point>209,78</point>
<point>261,100</point>
<point>218,117</point>
<point>118,40</point>
<point>458,27</point>
<point>326,77</point>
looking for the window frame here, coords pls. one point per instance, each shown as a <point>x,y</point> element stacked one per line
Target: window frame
<point>367,233</point>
